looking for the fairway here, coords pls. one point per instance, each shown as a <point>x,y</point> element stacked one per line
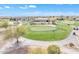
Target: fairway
<point>48,33</point>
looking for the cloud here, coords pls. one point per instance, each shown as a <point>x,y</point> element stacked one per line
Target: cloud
<point>6,6</point>
<point>32,6</point>
<point>28,6</point>
<point>23,7</point>
<point>2,7</point>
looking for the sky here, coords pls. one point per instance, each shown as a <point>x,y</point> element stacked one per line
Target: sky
<point>39,9</point>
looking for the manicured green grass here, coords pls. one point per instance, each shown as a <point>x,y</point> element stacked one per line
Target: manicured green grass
<point>76,23</point>
<point>42,28</point>
<point>61,32</point>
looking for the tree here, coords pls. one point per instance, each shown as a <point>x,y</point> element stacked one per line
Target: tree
<point>4,23</point>
<point>20,31</point>
<point>53,49</point>
<point>15,33</point>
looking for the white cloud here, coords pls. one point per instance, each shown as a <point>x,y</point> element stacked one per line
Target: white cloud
<point>23,7</point>
<point>6,6</point>
<point>32,6</point>
<point>28,6</point>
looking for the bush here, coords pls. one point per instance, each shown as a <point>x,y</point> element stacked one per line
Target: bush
<point>53,49</point>
<point>3,23</point>
<point>37,50</point>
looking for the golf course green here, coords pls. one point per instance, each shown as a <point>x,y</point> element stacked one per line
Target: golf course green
<point>48,33</point>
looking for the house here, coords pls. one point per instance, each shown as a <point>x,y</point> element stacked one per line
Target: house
<point>77,19</point>
<point>42,20</point>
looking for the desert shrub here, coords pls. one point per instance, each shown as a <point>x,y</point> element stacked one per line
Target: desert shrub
<point>37,50</point>
<point>3,23</point>
<point>53,49</point>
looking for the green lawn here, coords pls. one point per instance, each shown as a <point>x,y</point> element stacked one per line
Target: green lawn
<point>59,32</point>
<point>76,23</point>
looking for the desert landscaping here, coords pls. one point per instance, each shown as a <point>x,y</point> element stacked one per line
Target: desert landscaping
<point>33,35</point>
